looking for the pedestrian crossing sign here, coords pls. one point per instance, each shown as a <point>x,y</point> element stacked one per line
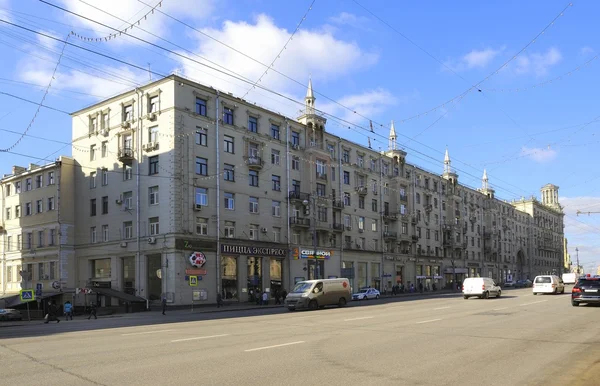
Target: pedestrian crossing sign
<point>193,281</point>
<point>27,295</point>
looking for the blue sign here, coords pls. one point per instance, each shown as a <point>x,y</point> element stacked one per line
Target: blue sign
<point>27,295</point>
<point>38,289</point>
<point>387,275</point>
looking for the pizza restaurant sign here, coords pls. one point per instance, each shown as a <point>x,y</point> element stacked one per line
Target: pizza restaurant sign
<point>309,254</point>
<point>253,251</point>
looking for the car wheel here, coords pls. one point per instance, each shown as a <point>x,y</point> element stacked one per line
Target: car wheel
<point>466,297</point>
<point>376,297</point>
<point>563,290</point>
<point>574,304</point>
<point>499,294</point>
<point>535,293</point>
<point>313,305</point>
<point>486,295</point>
<point>342,302</point>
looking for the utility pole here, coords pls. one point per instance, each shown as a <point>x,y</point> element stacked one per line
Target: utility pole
<point>577,254</point>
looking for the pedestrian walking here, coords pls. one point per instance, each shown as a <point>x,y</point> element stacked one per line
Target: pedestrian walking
<point>164,303</point>
<point>219,300</point>
<point>52,313</point>
<point>68,310</point>
<point>265,298</point>
<point>92,311</point>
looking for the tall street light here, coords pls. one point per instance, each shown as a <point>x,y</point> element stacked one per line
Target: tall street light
<point>314,234</point>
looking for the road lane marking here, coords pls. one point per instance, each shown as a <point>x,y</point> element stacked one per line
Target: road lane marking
<point>145,332</point>
<point>528,304</point>
<point>361,318</point>
<point>198,338</point>
<point>499,309</point>
<point>429,321</point>
<point>274,346</point>
<point>441,308</point>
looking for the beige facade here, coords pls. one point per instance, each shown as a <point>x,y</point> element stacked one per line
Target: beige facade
<point>567,263</point>
<point>38,231</point>
<point>175,168</point>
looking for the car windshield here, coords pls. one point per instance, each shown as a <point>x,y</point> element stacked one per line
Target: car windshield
<point>363,291</point>
<point>543,280</point>
<point>589,283</point>
<point>301,288</point>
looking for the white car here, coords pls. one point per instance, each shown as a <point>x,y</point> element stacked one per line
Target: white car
<point>548,284</point>
<point>481,287</point>
<point>366,294</point>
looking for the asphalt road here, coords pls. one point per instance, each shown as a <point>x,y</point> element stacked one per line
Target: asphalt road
<point>445,340</point>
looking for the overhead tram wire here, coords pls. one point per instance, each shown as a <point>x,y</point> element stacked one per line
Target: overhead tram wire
<point>258,86</point>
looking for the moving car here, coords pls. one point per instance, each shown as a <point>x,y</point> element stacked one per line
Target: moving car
<point>548,284</point>
<point>10,314</point>
<point>482,287</point>
<point>366,294</point>
<point>587,290</point>
<point>523,283</point>
<point>569,278</point>
<point>313,294</point>
<point>509,284</point>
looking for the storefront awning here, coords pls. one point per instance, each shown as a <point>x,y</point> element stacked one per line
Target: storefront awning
<point>15,300</point>
<point>118,294</point>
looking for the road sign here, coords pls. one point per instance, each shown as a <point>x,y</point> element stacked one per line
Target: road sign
<point>38,289</point>
<point>27,295</point>
<point>193,281</point>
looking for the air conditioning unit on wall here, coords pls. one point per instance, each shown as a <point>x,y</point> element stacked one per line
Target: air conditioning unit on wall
<point>151,240</point>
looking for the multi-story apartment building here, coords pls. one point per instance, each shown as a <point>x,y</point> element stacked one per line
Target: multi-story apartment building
<point>567,263</point>
<point>176,180</point>
<point>37,229</point>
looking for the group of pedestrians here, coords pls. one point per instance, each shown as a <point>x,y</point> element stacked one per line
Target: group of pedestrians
<point>53,311</point>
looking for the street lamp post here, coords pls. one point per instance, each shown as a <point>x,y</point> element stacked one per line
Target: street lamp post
<point>314,235</point>
<point>577,254</point>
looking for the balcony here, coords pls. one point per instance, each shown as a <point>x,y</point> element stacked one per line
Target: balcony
<point>390,235</point>
<point>126,155</point>
<point>299,196</point>
<point>404,198</point>
<point>254,162</point>
<point>361,190</point>
<point>322,225</point>
<point>414,238</point>
<point>338,204</point>
<point>390,216</point>
<point>337,227</point>
<point>299,222</point>
<point>428,207</point>
<point>322,176</point>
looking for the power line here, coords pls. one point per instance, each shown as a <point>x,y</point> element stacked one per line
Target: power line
<point>35,103</point>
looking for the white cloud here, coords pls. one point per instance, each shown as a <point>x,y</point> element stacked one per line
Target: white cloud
<point>537,63</point>
<point>586,51</point>
<point>3,14</point>
<point>318,53</point>
<point>349,19</point>
<point>539,154</point>
<point>132,11</point>
<point>475,59</point>
<point>368,103</point>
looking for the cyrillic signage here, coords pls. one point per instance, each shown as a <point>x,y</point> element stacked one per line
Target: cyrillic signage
<point>253,251</point>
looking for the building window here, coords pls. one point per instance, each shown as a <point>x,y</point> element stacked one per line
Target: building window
<point>154,226</point>
<point>201,226</point>
<point>361,223</point>
<point>253,232</point>
<point>361,202</point>
<point>50,203</point>
<point>295,138</point>
<point>52,237</point>
<point>252,150</point>
<point>127,173</point>
<point>153,165</point>
<point>346,178</point>
<point>127,230</point>
<point>153,195</point>
<point>104,149</point>
<point>374,226</point>
<point>92,180</point>
<point>28,209</point>
<point>19,242</point>
<point>295,163</point>
<point>227,116</point>
<point>201,137</point>
<point>200,106</point>
<point>229,201</point>
<point>8,213</point>
<point>322,213</point>
<point>92,152</point>
<point>41,273</point>
<point>276,235</point>
<point>276,182</point>
<point>17,211</point>
<point>18,187</point>
<point>275,158</point>
<point>228,144</point>
<point>346,199</point>
<point>253,177</point>
<point>321,190</point>
<point>104,177</point>
<point>229,229</point>
<point>127,113</point>
<point>40,239</point>
<point>276,208</point>
<point>28,185</point>
<point>201,166</point>
<point>105,205</point>
<point>275,131</point>
<point>93,235</point>
<point>201,197</point>
<point>8,192</point>
<point>105,233</point>
<point>346,156</point>
<point>128,200</point>
<point>93,125</point>
<point>39,206</point>
<point>153,134</point>
<point>374,205</point>
<point>253,124</point>
<point>229,174</point>
<point>153,104</point>
<point>253,203</point>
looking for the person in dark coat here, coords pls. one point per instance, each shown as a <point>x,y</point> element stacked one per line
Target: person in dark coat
<point>52,313</point>
<point>92,311</point>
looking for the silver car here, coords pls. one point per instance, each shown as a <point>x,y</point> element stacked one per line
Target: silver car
<point>9,314</point>
<point>366,294</point>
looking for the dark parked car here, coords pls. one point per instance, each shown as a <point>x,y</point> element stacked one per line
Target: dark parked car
<point>9,314</point>
<point>587,290</point>
<point>523,284</point>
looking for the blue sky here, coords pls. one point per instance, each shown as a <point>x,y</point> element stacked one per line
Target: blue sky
<point>533,122</point>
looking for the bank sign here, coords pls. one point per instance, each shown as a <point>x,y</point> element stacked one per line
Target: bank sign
<point>309,254</point>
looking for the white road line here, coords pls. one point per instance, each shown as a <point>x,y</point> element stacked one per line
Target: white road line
<point>198,338</point>
<point>364,317</point>
<point>274,346</point>
<point>441,308</point>
<point>498,309</point>
<point>528,304</point>
<point>429,321</point>
<point>145,332</point>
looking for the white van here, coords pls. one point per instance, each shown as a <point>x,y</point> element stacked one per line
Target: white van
<point>569,278</point>
<point>548,284</point>
<point>482,287</point>
<point>313,294</point>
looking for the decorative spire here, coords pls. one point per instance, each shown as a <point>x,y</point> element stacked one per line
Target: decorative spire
<point>309,92</point>
<point>447,163</point>
<point>393,137</point>
<point>484,181</point>
<point>309,100</point>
